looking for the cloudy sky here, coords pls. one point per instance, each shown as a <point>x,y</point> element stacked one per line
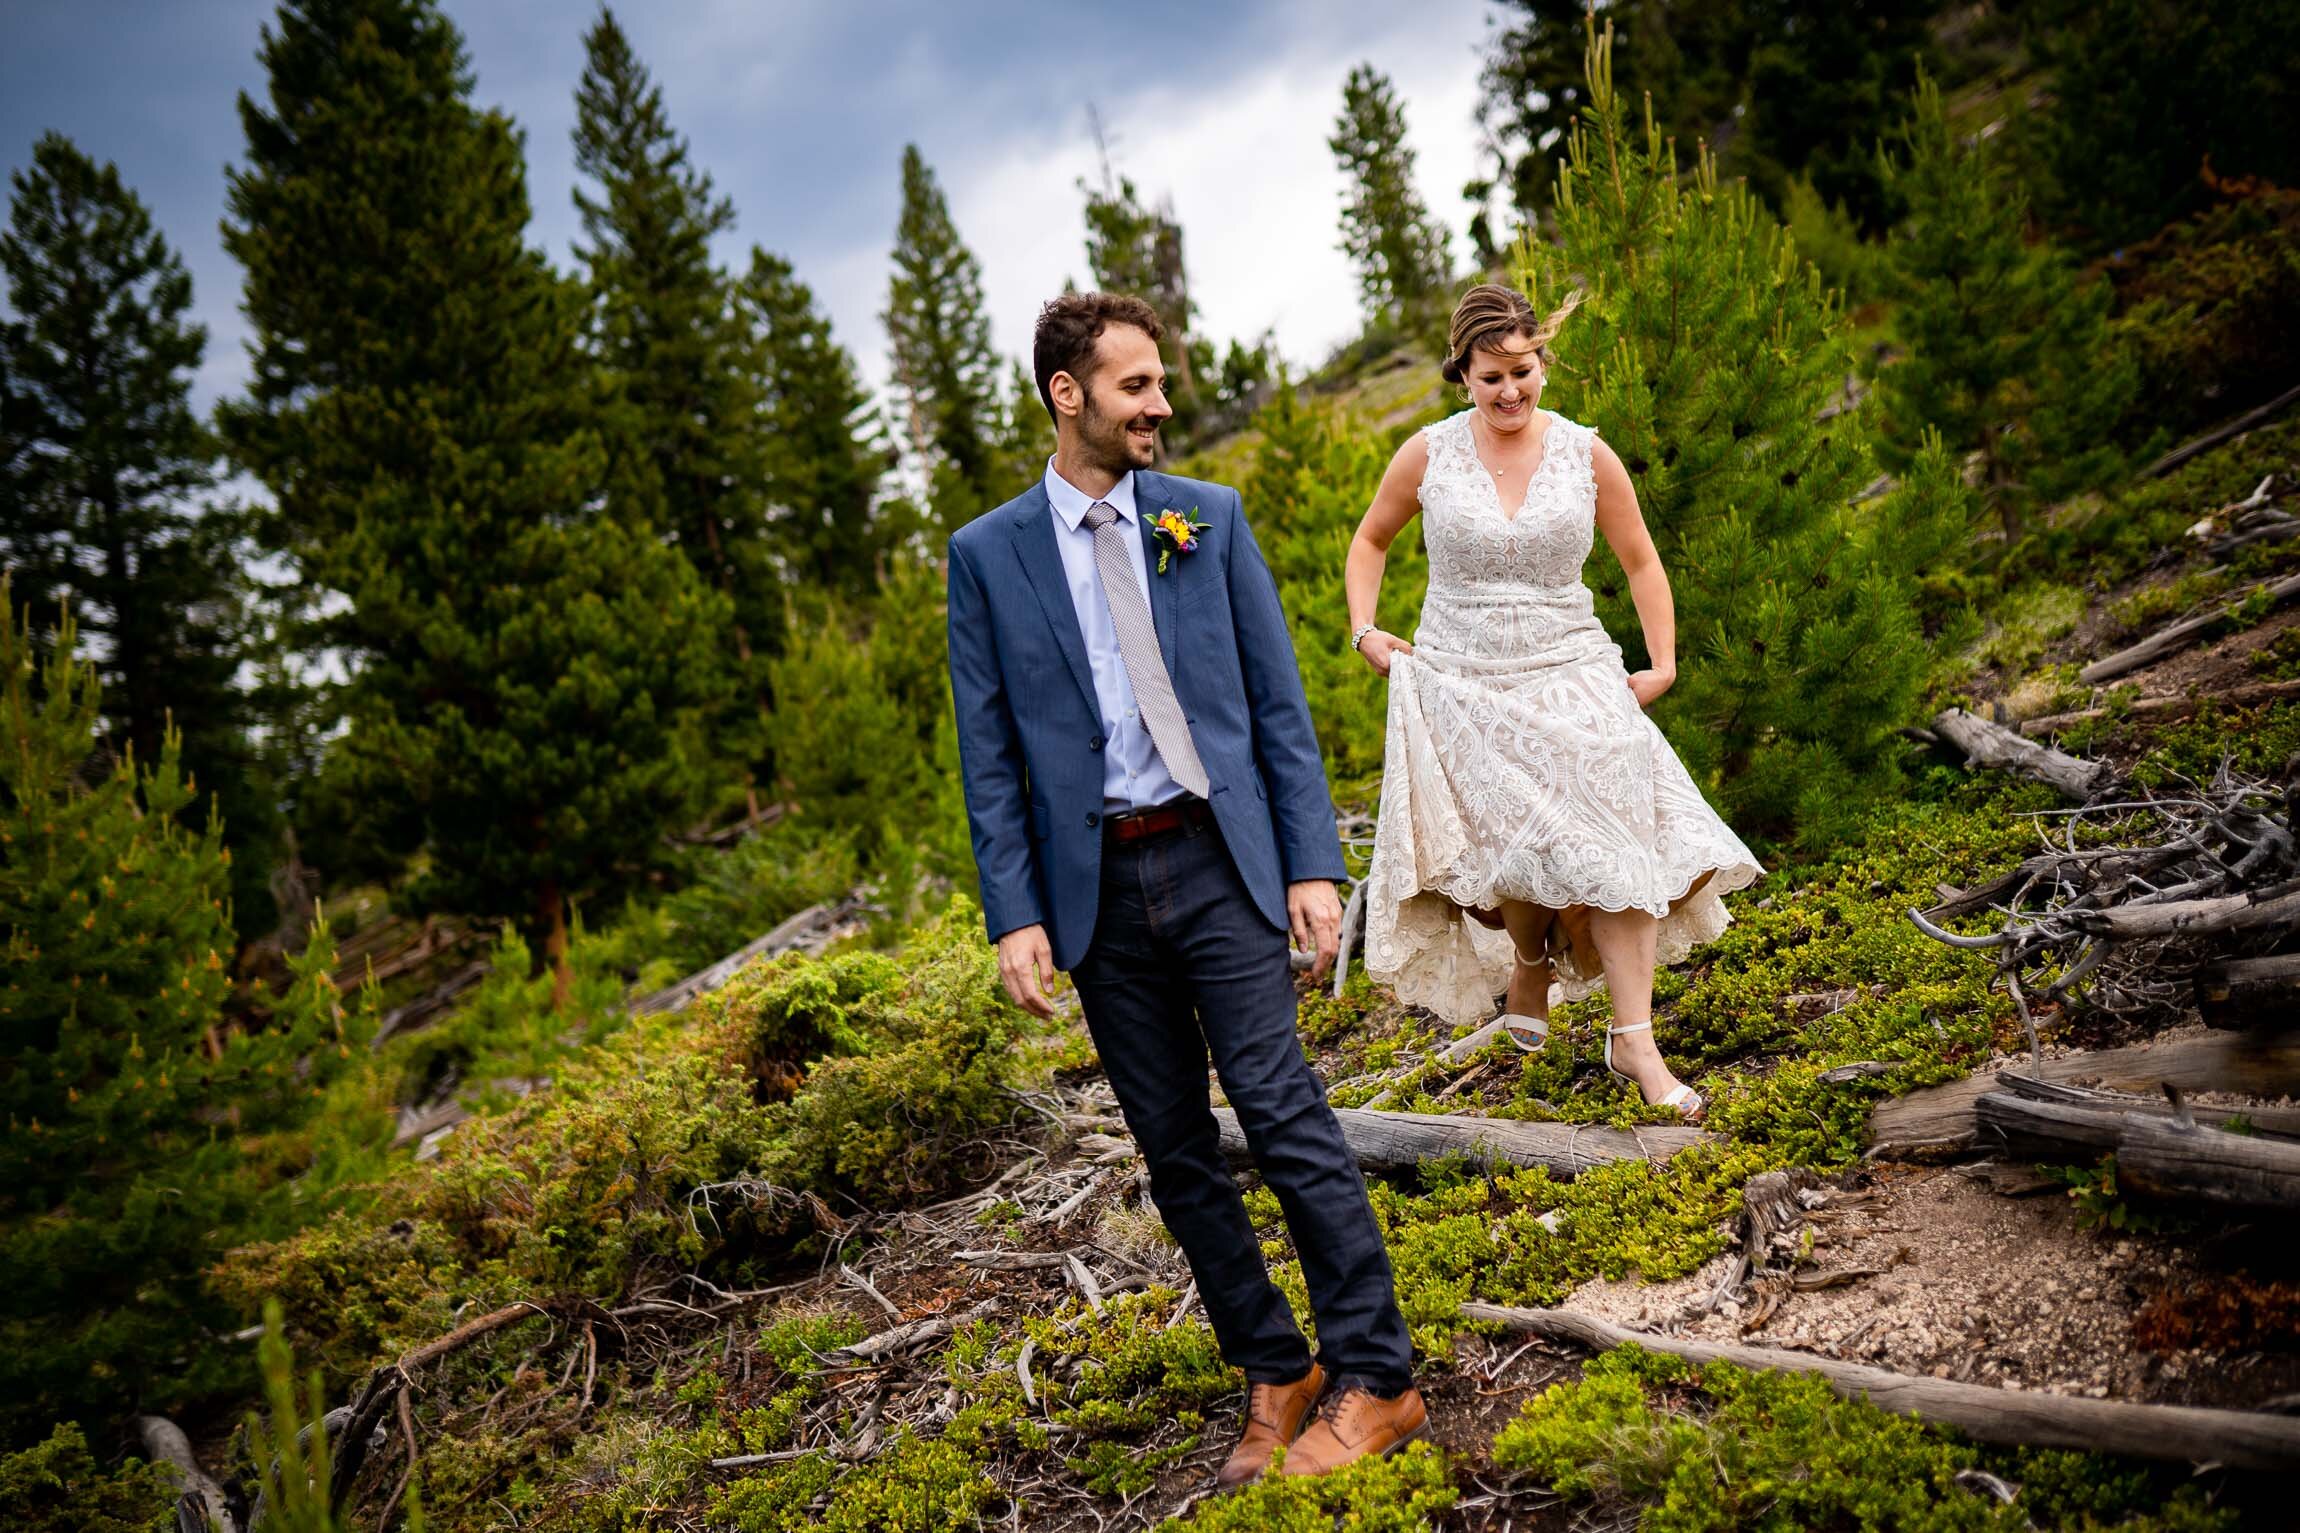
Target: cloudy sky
<point>799,110</point>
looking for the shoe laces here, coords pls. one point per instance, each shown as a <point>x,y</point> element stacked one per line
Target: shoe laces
<point>1330,1408</point>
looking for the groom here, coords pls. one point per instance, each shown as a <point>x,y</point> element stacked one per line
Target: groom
<point>1149,813</point>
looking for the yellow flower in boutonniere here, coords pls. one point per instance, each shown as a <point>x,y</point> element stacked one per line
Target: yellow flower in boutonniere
<point>1176,534</point>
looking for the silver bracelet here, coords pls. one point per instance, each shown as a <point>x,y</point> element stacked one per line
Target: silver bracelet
<point>1358,639</point>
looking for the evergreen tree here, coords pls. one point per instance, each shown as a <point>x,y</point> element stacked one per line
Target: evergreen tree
<point>946,372</point>
<point>527,674</point>
<point>682,456</point>
<point>2010,354</point>
<point>114,930</point>
<point>1704,356</point>
<point>1399,249</point>
<point>1136,249</point>
<point>1824,82</point>
<point>2153,99</point>
<point>1690,57</point>
<point>107,456</point>
<point>822,460</point>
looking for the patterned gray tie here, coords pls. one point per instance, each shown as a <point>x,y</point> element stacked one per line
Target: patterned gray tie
<point>1138,650</point>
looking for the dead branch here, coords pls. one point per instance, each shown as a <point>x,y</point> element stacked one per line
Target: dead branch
<point>201,1505</point>
<point>2180,635</point>
<point>1398,1141</point>
<point>1986,743</point>
<point>2166,707</point>
<point>2219,434</point>
<point>811,930</point>
<point>2178,1433</point>
<point>1940,1120</point>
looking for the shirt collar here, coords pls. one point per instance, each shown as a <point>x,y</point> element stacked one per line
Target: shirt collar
<point>1070,502</point>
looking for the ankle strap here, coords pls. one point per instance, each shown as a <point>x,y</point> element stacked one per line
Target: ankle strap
<point>1634,1027</point>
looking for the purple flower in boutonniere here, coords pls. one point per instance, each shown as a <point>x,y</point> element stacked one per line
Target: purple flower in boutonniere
<point>1176,534</point>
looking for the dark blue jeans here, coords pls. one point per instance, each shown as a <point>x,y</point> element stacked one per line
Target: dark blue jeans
<point>1183,962</point>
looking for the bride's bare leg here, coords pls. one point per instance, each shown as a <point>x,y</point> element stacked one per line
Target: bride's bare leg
<point>1528,927</point>
<point>1625,945</point>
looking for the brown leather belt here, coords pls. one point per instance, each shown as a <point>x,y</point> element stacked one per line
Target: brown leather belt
<point>1158,820</point>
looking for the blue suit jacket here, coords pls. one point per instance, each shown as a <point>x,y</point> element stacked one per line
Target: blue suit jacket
<point>1030,732</point>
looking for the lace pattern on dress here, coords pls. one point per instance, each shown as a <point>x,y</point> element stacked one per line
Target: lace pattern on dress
<point>1517,763</point>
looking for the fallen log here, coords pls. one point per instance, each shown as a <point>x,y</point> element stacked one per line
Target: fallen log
<point>2246,992</point>
<point>2171,1159</point>
<point>1939,1120</point>
<point>2180,635</point>
<point>811,929</point>
<point>200,1504</point>
<point>1990,744</point>
<point>2177,1433</point>
<point>2276,908</point>
<point>423,1008</point>
<point>1400,1141</point>
<point>2281,1121</point>
<point>2219,434</point>
<point>2152,707</point>
<point>2047,1131</point>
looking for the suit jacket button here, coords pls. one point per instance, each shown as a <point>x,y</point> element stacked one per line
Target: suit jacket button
<point>1094,744</point>
<point>1092,819</point>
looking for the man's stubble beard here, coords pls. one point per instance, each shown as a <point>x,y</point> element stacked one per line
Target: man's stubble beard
<point>1104,436</point>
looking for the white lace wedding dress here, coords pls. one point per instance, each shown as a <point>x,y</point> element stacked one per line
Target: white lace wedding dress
<point>1518,764</point>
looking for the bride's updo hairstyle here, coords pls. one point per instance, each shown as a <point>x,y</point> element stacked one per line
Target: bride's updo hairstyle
<point>1490,314</point>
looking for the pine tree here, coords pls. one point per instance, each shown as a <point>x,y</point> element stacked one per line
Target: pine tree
<point>946,372</point>
<point>1135,249</point>
<point>1399,249</point>
<point>109,453</point>
<point>528,673</point>
<point>2150,95</point>
<point>1704,356</point>
<point>822,458</point>
<point>1824,82</point>
<point>682,456</point>
<point>1690,57</point>
<point>2010,355</point>
<point>114,935</point>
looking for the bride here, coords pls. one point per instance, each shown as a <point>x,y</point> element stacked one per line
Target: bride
<point>1533,820</point>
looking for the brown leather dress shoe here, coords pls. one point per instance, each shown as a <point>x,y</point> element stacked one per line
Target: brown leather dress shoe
<point>1274,1415</point>
<point>1354,1424</point>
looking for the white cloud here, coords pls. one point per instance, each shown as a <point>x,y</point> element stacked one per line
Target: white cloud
<point>1252,181</point>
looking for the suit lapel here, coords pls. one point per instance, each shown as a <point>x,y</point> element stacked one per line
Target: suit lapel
<point>1042,563</point>
<point>1150,498</point>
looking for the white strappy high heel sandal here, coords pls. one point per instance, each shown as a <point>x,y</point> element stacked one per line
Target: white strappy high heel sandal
<point>1684,1098</point>
<point>1530,1034</point>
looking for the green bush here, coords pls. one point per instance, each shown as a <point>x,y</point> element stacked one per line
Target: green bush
<point>2211,308</point>
<point>58,1487</point>
<point>1772,1450</point>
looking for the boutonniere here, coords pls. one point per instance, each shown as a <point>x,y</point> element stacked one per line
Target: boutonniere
<point>1176,534</point>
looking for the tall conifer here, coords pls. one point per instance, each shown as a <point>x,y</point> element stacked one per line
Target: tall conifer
<point>946,372</point>
<point>1705,356</point>
<point>109,454</point>
<point>108,464</point>
<point>1136,249</point>
<point>822,458</point>
<point>2010,353</point>
<point>682,455</point>
<point>1399,250</point>
<point>526,672</point>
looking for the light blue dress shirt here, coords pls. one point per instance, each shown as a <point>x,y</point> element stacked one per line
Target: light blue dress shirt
<point>1133,776</point>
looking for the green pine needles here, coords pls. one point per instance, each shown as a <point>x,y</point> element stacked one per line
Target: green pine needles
<point>1711,358</point>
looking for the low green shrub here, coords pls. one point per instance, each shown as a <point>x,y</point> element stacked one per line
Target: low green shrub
<point>1716,1447</point>
<point>57,1486</point>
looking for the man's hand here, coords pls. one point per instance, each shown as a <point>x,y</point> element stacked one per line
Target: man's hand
<point>1316,915</point>
<point>1024,956</point>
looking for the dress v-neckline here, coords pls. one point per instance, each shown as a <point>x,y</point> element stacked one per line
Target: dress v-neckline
<point>1509,518</point>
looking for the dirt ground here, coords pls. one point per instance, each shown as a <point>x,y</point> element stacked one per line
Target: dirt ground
<point>1943,1275</point>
